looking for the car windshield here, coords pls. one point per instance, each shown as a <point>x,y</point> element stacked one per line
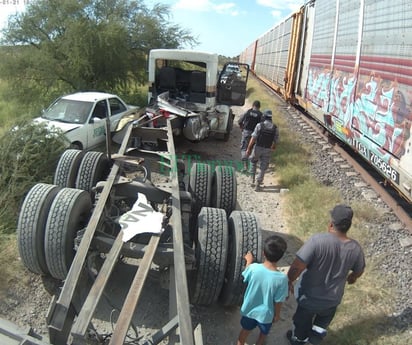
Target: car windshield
<point>232,69</point>
<point>68,111</point>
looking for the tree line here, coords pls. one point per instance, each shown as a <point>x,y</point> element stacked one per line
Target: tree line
<point>60,46</point>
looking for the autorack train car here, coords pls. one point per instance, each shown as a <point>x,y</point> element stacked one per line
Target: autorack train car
<point>349,65</point>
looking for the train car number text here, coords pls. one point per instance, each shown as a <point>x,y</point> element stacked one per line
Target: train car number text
<point>361,148</point>
<point>384,167</point>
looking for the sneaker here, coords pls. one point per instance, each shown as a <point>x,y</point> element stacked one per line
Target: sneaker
<point>258,187</point>
<point>293,340</point>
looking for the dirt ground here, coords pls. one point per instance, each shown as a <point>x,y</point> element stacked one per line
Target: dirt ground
<point>221,325</point>
<point>26,304</point>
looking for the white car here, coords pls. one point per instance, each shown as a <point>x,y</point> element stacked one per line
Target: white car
<point>81,116</point>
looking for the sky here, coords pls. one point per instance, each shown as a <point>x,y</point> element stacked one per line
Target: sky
<point>222,27</point>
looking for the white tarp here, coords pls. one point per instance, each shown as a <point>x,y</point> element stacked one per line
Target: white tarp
<point>142,218</point>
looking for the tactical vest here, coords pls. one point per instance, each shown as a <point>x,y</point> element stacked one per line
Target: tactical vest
<point>252,118</point>
<point>266,136</point>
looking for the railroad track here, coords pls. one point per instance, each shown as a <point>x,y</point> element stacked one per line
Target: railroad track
<point>393,200</point>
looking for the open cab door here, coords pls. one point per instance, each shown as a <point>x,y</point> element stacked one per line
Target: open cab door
<point>231,86</point>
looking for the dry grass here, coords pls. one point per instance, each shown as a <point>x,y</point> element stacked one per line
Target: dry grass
<point>10,266</point>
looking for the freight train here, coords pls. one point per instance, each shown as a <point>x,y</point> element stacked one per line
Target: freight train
<point>348,64</point>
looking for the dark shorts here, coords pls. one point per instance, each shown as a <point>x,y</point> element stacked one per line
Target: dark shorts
<point>249,324</point>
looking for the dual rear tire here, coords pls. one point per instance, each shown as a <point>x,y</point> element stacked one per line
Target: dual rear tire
<point>51,215</point>
<point>220,248</point>
<point>47,226</point>
<point>80,170</point>
<point>221,235</point>
<point>217,189</point>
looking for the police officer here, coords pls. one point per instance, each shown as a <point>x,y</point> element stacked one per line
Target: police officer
<point>247,123</point>
<point>263,142</point>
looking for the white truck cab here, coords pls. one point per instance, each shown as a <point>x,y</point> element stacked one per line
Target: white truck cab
<point>189,86</point>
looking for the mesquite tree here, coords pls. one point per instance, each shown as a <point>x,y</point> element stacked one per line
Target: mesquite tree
<point>59,46</point>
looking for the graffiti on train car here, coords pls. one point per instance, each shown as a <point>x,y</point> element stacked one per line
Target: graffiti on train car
<point>364,107</point>
<point>349,68</point>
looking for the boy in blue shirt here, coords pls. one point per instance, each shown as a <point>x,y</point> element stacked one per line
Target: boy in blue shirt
<point>266,290</point>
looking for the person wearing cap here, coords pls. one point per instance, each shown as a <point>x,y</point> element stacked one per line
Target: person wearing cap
<point>247,123</point>
<point>324,263</point>
<point>261,145</point>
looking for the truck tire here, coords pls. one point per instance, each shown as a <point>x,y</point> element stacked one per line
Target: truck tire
<point>67,168</point>
<point>94,167</point>
<point>244,236</point>
<point>200,185</point>
<point>200,189</point>
<point>211,256</point>
<point>69,213</point>
<point>31,225</point>
<point>224,188</point>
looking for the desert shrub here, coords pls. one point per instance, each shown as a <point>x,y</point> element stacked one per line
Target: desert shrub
<point>29,154</point>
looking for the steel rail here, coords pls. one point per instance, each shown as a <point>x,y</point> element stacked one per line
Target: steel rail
<point>386,197</point>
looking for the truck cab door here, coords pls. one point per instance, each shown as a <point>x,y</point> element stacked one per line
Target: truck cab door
<point>232,82</point>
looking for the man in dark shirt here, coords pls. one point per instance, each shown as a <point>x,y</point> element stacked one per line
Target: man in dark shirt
<point>247,123</point>
<point>328,261</point>
<point>261,145</point>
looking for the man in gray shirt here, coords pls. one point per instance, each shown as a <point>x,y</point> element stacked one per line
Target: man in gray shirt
<point>325,260</point>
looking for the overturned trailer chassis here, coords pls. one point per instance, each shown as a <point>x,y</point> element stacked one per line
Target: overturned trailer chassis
<point>106,206</point>
<point>70,315</point>
<point>61,317</point>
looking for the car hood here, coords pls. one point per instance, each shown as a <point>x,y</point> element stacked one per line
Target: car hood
<point>65,127</point>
